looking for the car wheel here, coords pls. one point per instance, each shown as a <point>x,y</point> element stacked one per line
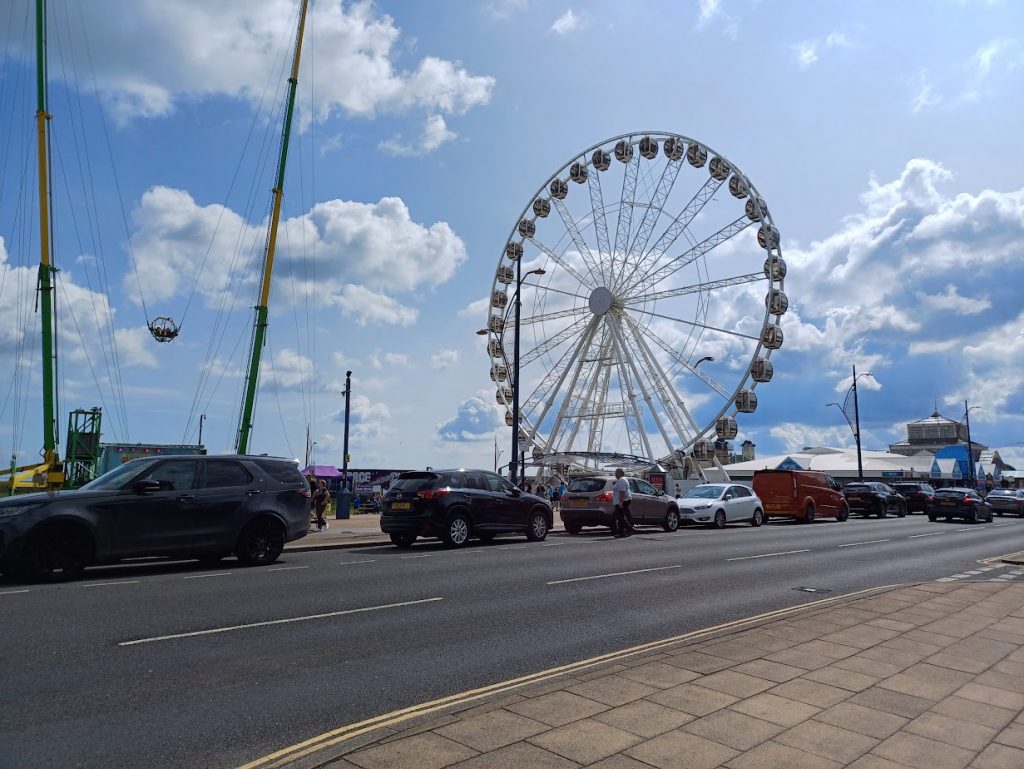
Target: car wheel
<point>757,518</point>
<point>671,522</point>
<point>573,528</point>
<point>973,517</point>
<point>844,512</point>
<point>882,512</point>
<point>808,515</point>
<point>56,552</point>
<point>719,522</point>
<point>538,529</point>
<point>901,512</point>
<point>486,536</point>
<point>403,541</point>
<point>456,531</point>
<point>260,542</point>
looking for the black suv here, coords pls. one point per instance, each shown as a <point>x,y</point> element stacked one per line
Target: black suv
<point>919,496</point>
<point>874,498</point>
<point>177,506</point>
<point>455,504</point>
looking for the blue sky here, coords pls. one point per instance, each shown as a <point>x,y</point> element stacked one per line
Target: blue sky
<point>884,138</point>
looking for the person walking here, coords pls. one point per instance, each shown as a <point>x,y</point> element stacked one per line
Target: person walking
<point>559,493</point>
<point>320,499</point>
<point>622,523</point>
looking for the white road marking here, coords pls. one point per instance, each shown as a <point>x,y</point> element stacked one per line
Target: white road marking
<point>869,542</point>
<point>768,555</point>
<point>969,528</point>
<point>514,547</point>
<point>933,534</point>
<point>214,574</point>
<point>951,579</point>
<point>13,592</point>
<point>975,571</point>
<point>104,584</point>
<point>287,568</point>
<point>352,563</point>
<point>613,574</point>
<point>552,544</point>
<point>248,625</point>
<point>424,555</point>
<point>997,525</point>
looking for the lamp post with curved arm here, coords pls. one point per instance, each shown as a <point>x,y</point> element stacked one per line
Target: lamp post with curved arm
<point>855,425</point>
<point>970,449</point>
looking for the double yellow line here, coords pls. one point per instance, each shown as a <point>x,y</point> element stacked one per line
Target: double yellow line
<point>284,757</point>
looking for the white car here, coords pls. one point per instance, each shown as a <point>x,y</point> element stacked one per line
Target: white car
<point>716,504</point>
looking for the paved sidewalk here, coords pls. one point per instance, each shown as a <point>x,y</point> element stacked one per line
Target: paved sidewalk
<point>928,676</point>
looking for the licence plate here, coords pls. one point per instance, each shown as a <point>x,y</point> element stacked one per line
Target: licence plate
<point>948,504</point>
<point>853,498</point>
<point>773,506</point>
<point>401,505</point>
<point>577,503</point>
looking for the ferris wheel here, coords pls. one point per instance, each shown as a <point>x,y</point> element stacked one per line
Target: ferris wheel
<point>640,259</point>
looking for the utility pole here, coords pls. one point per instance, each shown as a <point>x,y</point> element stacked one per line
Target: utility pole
<point>856,417</point>
<point>970,452</point>
<point>345,494</point>
<point>202,418</point>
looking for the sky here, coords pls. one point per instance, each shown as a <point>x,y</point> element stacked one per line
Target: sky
<point>883,138</point>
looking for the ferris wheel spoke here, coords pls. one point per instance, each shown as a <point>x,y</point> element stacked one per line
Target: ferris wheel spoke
<point>577,238</point>
<point>551,289</point>
<point>552,383</point>
<point>600,220</point>
<point>662,385</point>
<point>653,212</point>
<point>625,218</point>
<point>695,324</point>
<point>565,416</point>
<point>679,224</point>
<point>679,359</point>
<point>642,376</point>
<point>553,315</point>
<point>729,231</point>
<point>696,288</point>
<point>587,400</point>
<point>561,262</point>
<point>638,440</point>
<point>602,412</point>
<point>550,344</point>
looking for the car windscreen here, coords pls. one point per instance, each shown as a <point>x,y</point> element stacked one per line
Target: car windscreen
<point>1002,493</point>
<point>282,472</point>
<point>585,485</point>
<point>857,487</point>
<point>414,481</point>
<point>118,477</point>
<point>952,492</point>
<point>704,492</point>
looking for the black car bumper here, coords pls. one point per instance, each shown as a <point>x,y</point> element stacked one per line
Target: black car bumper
<point>421,527</point>
<point>586,517</point>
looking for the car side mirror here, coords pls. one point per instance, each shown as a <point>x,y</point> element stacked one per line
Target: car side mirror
<point>145,487</point>
<point>728,497</point>
<point>516,492</point>
<point>659,493</point>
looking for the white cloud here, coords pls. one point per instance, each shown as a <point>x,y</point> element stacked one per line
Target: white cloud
<point>444,359</point>
<point>806,53</point>
<point>366,306</point>
<point>477,309</point>
<point>708,10</point>
<point>134,347</point>
<point>476,419</point>
<point>930,347</point>
<point>149,56</point>
<point>951,300</point>
<point>435,133</point>
<point>924,95</point>
<point>837,40</point>
<point>985,56</point>
<point>795,436</point>
<point>380,360</point>
<point>287,370</point>
<point>502,9</point>
<point>566,23</point>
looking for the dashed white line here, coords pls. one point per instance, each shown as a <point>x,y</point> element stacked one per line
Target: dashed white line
<point>613,574</point>
<point>768,555</point>
<point>13,592</point>
<point>287,568</point>
<point>352,563</point>
<point>104,584</point>
<point>869,542</point>
<point>997,525</point>
<point>422,555</point>
<point>213,574</point>
<point>932,534</point>
<point>248,625</point>
<point>969,528</point>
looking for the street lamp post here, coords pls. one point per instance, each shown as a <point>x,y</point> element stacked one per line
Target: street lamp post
<point>970,448</point>
<point>348,397</point>
<point>855,425</point>
<point>515,464</point>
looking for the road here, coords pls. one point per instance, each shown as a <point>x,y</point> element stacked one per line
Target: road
<point>174,665</point>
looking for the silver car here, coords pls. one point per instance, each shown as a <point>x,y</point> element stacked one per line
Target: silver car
<point>716,504</point>
<point>588,502</point>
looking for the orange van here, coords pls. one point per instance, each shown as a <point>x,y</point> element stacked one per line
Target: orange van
<point>803,495</point>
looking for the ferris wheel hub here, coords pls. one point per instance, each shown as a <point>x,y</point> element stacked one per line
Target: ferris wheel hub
<point>601,300</point>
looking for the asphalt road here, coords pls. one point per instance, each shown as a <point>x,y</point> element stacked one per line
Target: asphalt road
<point>173,665</point>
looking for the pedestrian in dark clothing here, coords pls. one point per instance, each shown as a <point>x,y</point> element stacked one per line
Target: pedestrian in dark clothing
<point>320,499</point>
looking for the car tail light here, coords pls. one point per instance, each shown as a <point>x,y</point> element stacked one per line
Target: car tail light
<point>604,497</point>
<point>432,493</point>
<point>304,492</point>
<point>968,500</point>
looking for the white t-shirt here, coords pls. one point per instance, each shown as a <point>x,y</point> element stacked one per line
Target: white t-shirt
<point>620,491</point>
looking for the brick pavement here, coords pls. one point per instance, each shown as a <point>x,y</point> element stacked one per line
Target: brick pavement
<point>927,676</point>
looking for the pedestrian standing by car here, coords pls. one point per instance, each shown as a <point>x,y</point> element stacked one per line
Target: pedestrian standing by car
<point>622,523</point>
<point>559,493</point>
<point>320,499</point>
<point>541,491</point>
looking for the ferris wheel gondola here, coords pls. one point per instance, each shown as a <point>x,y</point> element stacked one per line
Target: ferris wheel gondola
<point>657,254</point>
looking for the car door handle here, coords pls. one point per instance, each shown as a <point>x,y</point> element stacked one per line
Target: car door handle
<point>252,492</point>
<point>186,497</point>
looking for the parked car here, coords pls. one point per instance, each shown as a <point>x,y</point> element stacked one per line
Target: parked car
<point>804,495</point>
<point>871,498</point>
<point>716,504</point>
<point>919,496</point>
<point>177,506</point>
<point>458,504</point>
<point>588,502</point>
<point>1006,501</point>
<point>955,502</point>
